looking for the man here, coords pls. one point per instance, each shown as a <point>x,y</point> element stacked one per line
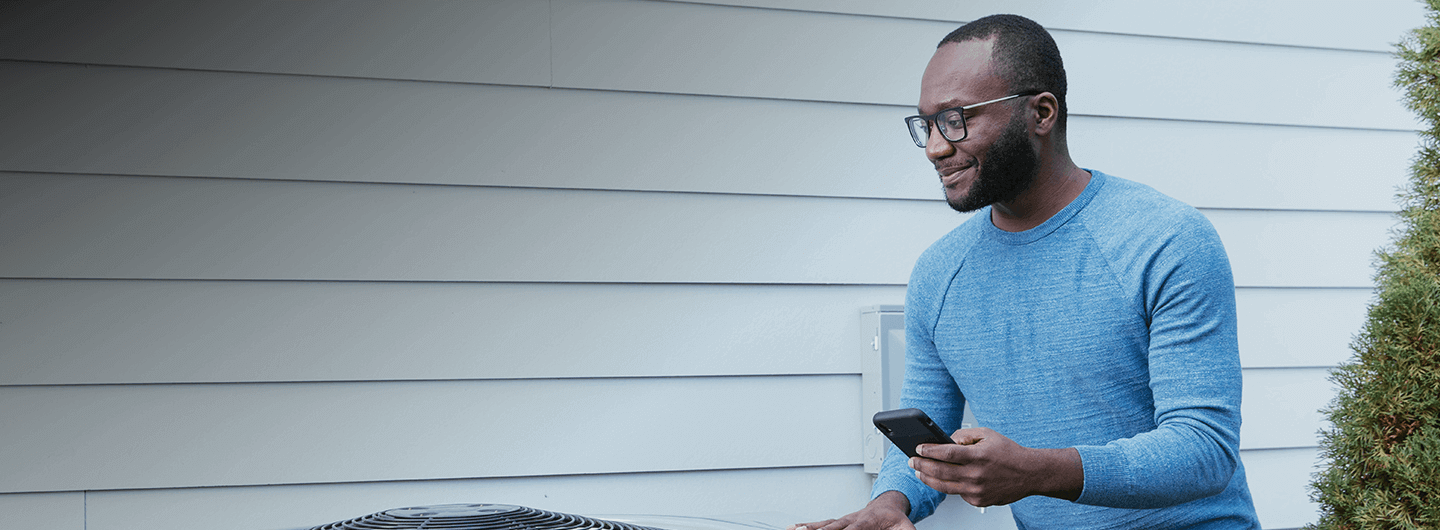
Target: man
<point>1089,321</point>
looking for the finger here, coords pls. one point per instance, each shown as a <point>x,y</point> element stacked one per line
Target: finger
<point>937,484</point>
<point>974,500</point>
<point>948,453</point>
<point>932,451</point>
<point>970,436</point>
<point>946,470</point>
<point>968,439</point>
<point>810,526</point>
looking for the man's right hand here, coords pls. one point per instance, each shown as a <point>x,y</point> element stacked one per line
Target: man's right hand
<point>887,512</point>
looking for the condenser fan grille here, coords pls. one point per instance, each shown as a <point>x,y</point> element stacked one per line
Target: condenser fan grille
<point>476,517</point>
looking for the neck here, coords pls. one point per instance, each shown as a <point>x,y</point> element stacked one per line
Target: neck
<point>1058,183</point>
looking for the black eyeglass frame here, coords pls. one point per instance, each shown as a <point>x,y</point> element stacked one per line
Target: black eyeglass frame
<point>926,120</point>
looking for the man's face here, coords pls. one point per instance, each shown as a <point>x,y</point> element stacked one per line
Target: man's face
<point>996,161</point>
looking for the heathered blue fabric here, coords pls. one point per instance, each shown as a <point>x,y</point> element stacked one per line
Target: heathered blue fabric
<point>1109,328</point>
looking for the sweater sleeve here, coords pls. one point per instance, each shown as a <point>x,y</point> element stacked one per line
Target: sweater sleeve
<point>1188,296</point>
<point>928,385</point>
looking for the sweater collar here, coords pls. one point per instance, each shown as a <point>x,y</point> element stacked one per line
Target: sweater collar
<point>1097,181</point>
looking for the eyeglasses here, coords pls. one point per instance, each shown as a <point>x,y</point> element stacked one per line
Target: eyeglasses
<point>951,122</point>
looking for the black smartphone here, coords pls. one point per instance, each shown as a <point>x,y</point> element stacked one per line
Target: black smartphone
<point>907,428</point>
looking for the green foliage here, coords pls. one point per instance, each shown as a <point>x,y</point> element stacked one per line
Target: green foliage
<point>1384,444</point>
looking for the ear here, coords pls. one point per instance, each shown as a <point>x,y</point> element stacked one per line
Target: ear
<point>1046,111</point>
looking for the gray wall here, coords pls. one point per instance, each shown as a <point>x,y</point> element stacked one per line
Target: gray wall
<point>275,264</point>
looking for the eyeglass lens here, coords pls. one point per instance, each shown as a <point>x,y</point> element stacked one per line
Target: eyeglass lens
<point>951,123</point>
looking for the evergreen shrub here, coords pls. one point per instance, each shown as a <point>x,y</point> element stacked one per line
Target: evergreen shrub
<point>1383,444</point>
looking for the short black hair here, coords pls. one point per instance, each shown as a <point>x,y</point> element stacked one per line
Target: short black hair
<point>1024,55</point>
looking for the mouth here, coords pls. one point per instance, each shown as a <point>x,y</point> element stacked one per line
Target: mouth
<point>951,176</point>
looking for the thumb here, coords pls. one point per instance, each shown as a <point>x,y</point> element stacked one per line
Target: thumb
<point>968,436</point>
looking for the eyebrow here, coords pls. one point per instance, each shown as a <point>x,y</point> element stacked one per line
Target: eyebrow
<point>947,104</point>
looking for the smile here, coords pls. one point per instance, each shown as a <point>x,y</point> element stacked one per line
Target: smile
<point>951,176</point>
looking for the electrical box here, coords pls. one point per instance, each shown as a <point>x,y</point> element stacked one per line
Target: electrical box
<point>882,370</point>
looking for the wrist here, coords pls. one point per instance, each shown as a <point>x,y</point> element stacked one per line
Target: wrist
<point>891,500</point>
<point>1060,473</point>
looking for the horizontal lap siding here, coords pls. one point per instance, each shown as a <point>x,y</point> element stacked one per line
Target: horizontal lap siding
<point>1371,26</point>
<point>491,41</point>
<point>1301,248</point>
<point>1302,328</point>
<point>217,124</point>
<point>621,45</point>
<point>142,436</point>
<point>145,227</point>
<point>168,436</point>
<point>156,228</point>
<point>110,332</point>
<point>649,193</point>
<point>629,45</point>
<point>268,37</point>
<point>1266,167</point>
<point>51,511</point>
<point>1281,407</point>
<point>88,332</point>
<point>1279,481</point>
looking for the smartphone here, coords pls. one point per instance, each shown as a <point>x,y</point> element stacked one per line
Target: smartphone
<point>907,428</point>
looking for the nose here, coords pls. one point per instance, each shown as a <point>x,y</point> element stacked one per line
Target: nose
<point>936,146</point>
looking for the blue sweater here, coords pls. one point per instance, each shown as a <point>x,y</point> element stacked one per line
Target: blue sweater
<point>1109,328</point>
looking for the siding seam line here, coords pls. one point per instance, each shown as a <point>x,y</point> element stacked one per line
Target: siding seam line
<point>1051,28</point>
<point>553,86</point>
<point>22,172</point>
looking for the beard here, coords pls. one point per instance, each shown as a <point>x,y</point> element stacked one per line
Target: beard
<point>1010,167</point>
